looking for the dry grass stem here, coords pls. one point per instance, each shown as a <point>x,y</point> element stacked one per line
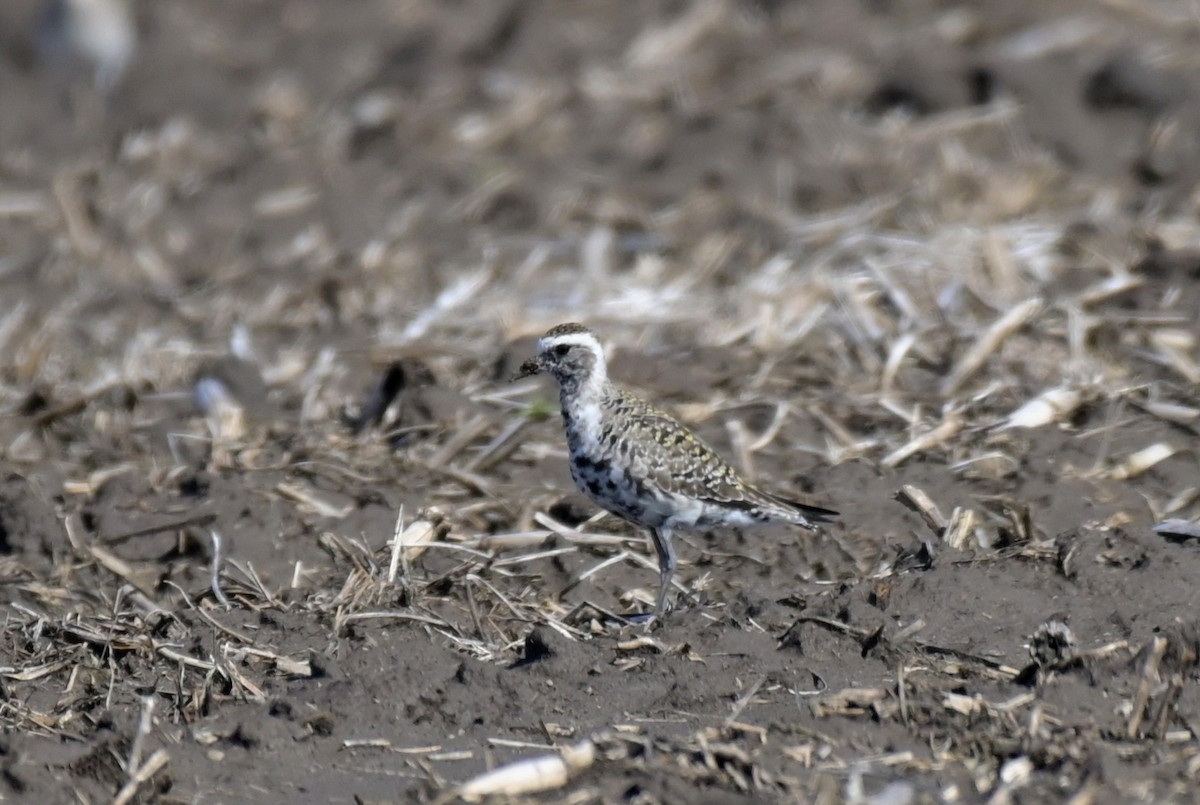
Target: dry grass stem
<point>950,426</point>
<point>990,341</point>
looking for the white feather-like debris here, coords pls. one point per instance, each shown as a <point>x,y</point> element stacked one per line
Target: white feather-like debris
<point>1053,405</point>
<point>543,773</point>
<point>1143,460</point>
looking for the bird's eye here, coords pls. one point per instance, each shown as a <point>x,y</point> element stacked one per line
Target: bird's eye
<point>561,350</point>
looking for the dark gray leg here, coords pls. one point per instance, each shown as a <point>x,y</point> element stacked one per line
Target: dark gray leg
<point>666,567</point>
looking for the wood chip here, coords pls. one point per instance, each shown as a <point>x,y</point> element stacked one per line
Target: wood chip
<point>1049,407</point>
<point>1142,460</point>
<point>313,501</point>
<point>959,703</point>
<point>544,773</point>
<point>848,702</point>
<point>916,499</point>
<point>961,528</point>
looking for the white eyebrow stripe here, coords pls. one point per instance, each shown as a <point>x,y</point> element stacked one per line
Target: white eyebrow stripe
<point>572,339</point>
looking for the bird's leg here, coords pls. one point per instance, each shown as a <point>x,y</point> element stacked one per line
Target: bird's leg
<point>666,567</point>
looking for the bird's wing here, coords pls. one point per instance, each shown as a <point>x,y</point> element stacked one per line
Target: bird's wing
<point>680,462</point>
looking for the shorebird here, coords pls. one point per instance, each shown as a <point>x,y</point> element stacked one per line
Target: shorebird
<point>644,466</point>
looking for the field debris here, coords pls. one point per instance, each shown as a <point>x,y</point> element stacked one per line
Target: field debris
<point>988,342</point>
<point>544,773</point>
<point>1049,407</point>
<point>935,437</point>
<point>1142,460</point>
<point>272,518</point>
<point>1178,529</point>
<point>920,502</point>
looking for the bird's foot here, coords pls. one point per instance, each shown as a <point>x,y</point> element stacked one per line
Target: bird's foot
<point>646,620</point>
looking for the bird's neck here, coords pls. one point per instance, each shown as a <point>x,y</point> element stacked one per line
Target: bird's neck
<point>582,395</point>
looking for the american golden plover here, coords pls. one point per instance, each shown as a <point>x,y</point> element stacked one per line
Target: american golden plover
<point>641,464</point>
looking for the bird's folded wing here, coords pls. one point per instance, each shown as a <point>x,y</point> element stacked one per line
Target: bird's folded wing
<point>680,462</point>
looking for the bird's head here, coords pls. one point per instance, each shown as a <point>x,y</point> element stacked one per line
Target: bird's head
<point>572,354</point>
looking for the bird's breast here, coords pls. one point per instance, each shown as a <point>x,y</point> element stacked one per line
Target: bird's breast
<point>604,473</point>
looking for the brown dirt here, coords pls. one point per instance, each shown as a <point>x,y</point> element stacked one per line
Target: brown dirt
<point>755,203</point>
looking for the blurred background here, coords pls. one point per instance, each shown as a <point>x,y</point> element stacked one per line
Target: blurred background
<point>315,171</point>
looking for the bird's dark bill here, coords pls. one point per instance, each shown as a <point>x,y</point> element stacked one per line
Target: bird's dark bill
<point>530,367</point>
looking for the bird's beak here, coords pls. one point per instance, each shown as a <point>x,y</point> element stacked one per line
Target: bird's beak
<point>532,366</point>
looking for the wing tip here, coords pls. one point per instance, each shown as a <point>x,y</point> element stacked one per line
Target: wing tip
<point>817,513</point>
<point>813,514</point>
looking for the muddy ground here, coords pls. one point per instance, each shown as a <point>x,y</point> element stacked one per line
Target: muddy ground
<point>263,301</point>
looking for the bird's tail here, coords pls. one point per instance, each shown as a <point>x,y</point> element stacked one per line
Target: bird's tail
<point>814,515</point>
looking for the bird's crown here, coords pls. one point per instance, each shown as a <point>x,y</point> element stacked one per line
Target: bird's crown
<point>569,328</point>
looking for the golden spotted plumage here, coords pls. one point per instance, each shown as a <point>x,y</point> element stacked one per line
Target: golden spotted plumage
<point>640,463</point>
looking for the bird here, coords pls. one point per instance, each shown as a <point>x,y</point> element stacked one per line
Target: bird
<point>643,465</point>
